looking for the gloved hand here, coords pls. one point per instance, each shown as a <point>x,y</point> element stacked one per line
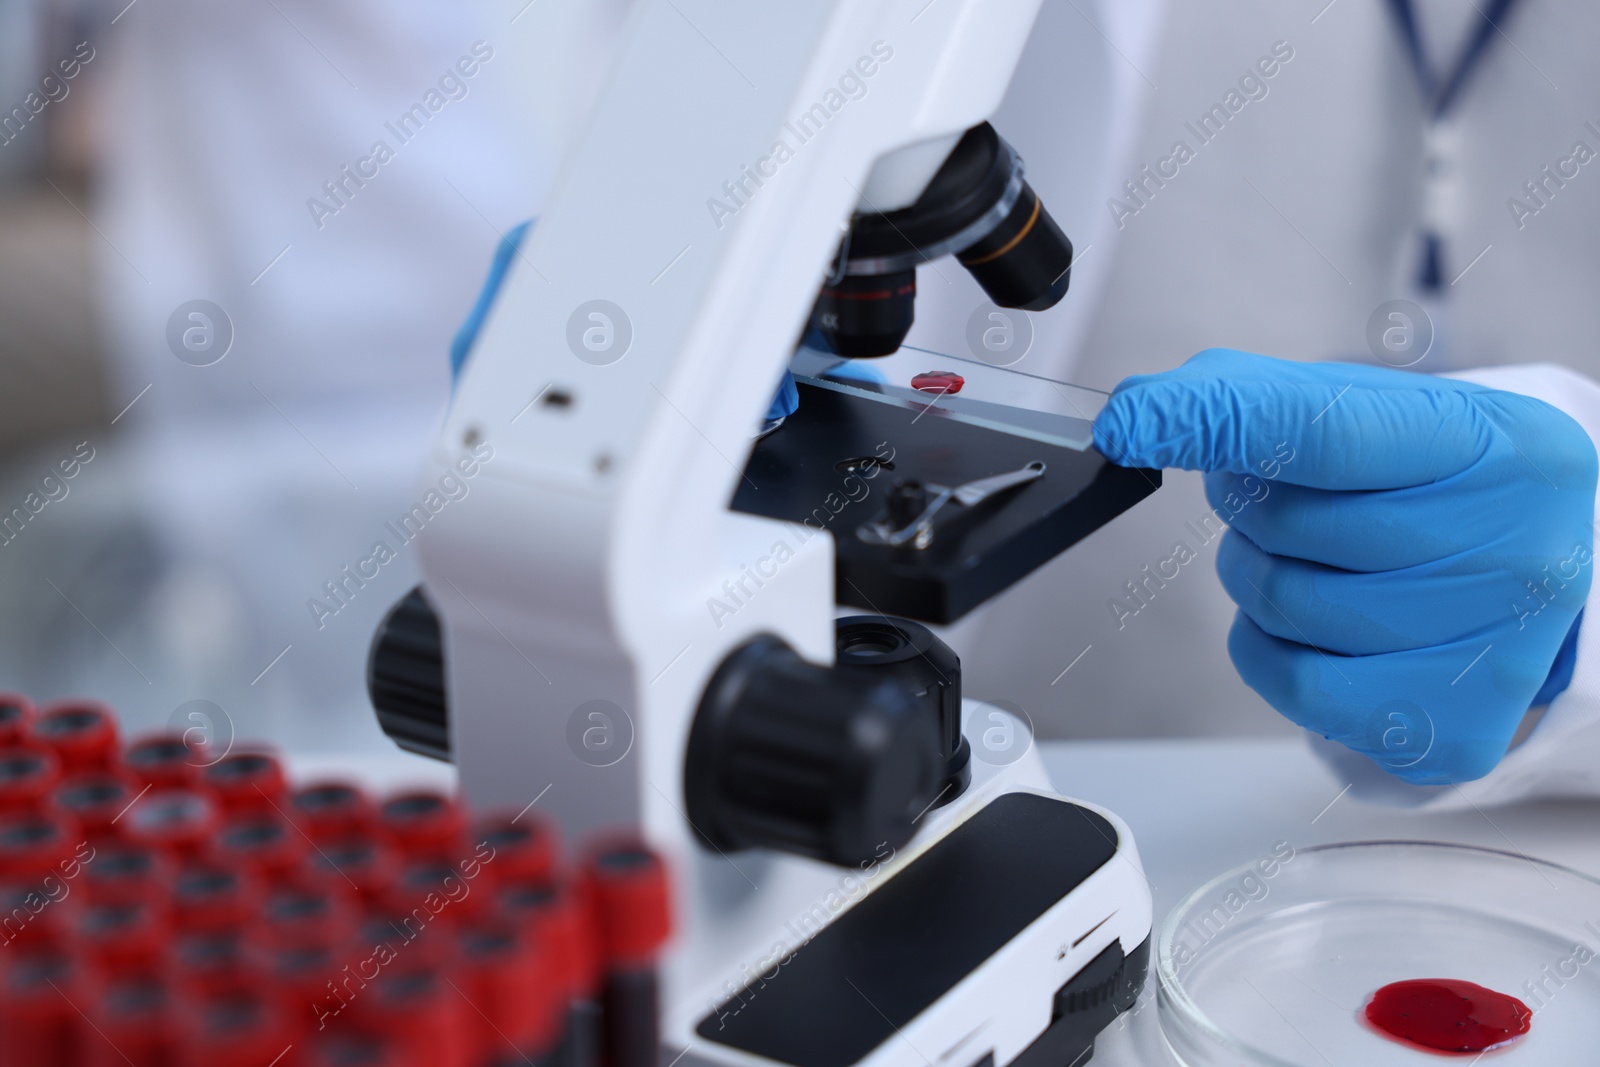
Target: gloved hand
<point>1409,554</point>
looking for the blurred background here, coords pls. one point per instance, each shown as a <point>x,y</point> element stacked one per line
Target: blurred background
<point>234,342</point>
<point>236,240</point>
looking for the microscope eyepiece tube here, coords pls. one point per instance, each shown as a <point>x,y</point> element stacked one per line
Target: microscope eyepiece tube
<point>867,315</point>
<point>977,207</point>
<point>1026,261</point>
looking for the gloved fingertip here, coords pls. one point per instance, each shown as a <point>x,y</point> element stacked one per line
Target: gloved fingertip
<point>1114,432</point>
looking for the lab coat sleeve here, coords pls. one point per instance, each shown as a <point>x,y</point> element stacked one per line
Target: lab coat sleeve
<point>1561,756</point>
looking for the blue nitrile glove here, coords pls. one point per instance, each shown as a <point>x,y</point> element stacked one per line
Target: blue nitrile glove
<point>1409,554</point>
<point>784,402</point>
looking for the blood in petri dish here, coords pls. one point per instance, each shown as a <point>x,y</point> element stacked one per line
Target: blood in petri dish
<point>938,381</point>
<point>1448,1015</point>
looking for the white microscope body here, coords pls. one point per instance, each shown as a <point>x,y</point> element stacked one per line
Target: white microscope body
<point>703,205</point>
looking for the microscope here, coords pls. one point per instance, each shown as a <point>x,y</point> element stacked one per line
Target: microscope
<point>635,621</point>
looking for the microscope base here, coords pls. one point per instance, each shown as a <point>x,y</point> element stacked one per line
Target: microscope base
<point>1014,940</point>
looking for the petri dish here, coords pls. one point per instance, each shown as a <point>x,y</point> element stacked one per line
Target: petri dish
<point>1273,963</point>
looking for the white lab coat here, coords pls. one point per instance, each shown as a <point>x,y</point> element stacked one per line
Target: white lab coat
<point>1281,236</point>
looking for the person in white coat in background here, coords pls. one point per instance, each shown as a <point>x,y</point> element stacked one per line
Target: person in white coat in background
<point>1319,182</point>
<point>293,205</point>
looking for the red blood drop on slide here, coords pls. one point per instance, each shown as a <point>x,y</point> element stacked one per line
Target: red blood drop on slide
<point>938,381</point>
<point>1448,1015</point>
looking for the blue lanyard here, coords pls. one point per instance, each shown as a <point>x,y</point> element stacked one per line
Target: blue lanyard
<point>1443,93</point>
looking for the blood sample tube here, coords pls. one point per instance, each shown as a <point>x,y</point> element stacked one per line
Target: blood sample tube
<point>83,733</point>
<point>39,1026</point>
<point>525,846</point>
<point>305,911</point>
<point>332,810</point>
<point>511,979</point>
<point>123,872</point>
<point>128,938</point>
<point>424,825</point>
<point>302,976</point>
<point>206,896</point>
<point>16,718</point>
<point>248,782</point>
<point>356,1050</point>
<point>214,962</point>
<point>27,777</point>
<point>167,761</point>
<point>238,1028</point>
<point>180,822</point>
<point>561,917</point>
<point>34,845</point>
<point>264,843</point>
<point>36,914</point>
<point>441,889</point>
<point>133,1020</point>
<point>408,939</point>
<point>367,864</point>
<point>418,1009</point>
<point>96,801</point>
<point>628,883</point>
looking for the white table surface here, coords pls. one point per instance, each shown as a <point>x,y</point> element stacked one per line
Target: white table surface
<point>1197,808</point>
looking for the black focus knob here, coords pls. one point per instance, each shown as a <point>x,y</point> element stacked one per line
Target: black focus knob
<point>405,678</point>
<point>788,755</point>
<point>929,670</point>
<point>908,499</point>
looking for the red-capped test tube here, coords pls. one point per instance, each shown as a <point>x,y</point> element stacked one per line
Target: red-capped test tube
<point>367,864</point>
<point>27,778</point>
<point>167,761</point>
<point>38,915</point>
<point>525,846</point>
<point>560,916</point>
<point>355,1050</point>
<point>416,1007</point>
<point>239,1028</point>
<point>215,962</point>
<point>208,896</point>
<point>248,782</point>
<point>124,939</point>
<point>180,822</point>
<point>83,733</point>
<point>96,801</point>
<point>134,1020</point>
<point>123,872</point>
<point>16,718</point>
<point>424,825</point>
<point>263,843</point>
<point>309,912</point>
<point>305,976</point>
<point>511,979</point>
<point>332,810</point>
<point>628,884</point>
<point>35,845</point>
<point>440,888</point>
<point>39,1027</point>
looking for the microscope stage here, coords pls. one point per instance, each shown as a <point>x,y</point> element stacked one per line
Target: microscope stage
<point>832,464</point>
